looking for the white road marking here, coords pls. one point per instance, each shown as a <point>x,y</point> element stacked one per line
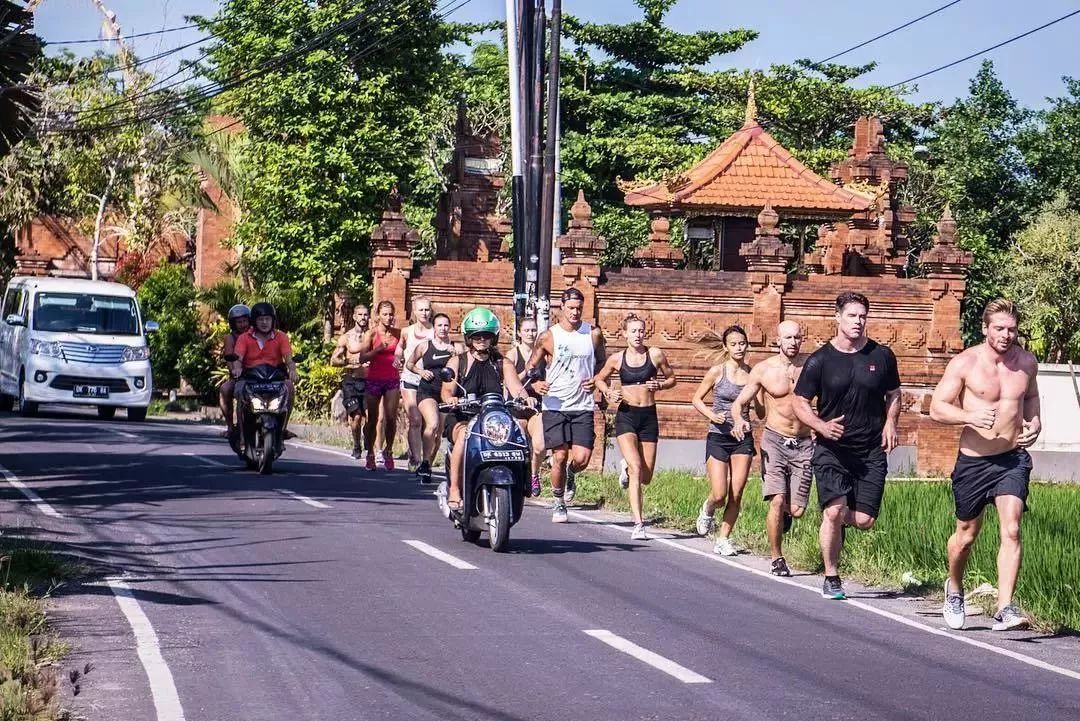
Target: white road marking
<point>441,555</point>
<point>343,454</point>
<point>125,434</point>
<point>303,499</point>
<point>30,494</point>
<point>646,656</point>
<point>162,688</point>
<point>209,461</point>
<point>1029,660</point>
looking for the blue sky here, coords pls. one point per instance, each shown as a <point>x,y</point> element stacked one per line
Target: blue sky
<point>1031,68</point>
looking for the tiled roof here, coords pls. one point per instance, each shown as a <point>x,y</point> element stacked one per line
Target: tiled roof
<point>748,171</point>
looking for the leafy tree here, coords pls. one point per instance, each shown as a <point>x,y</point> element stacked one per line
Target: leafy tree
<point>1043,278</point>
<point>19,48</point>
<point>168,296</point>
<point>1055,151</point>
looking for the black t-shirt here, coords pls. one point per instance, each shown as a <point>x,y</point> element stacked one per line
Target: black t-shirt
<point>852,385</point>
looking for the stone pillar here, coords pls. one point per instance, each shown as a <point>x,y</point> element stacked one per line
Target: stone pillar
<point>767,258</point>
<point>392,243</point>
<point>581,248</point>
<point>659,253</point>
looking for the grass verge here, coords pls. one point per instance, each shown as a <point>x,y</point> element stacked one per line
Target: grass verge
<point>29,653</point>
<point>915,522</point>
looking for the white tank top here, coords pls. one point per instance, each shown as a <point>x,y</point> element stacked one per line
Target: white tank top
<point>417,335</point>
<point>573,362</point>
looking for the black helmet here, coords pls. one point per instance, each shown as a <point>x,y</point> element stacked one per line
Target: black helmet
<point>260,309</point>
<point>238,311</point>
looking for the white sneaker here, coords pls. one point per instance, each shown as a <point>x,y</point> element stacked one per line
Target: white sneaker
<point>624,473</point>
<point>1010,618</point>
<point>639,533</point>
<point>571,484</point>
<point>441,494</point>
<point>723,547</point>
<point>953,609</point>
<point>559,515</point>
<point>704,520</point>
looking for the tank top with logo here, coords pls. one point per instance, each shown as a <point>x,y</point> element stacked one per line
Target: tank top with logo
<point>572,363</point>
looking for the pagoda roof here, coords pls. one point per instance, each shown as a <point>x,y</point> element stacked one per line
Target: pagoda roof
<point>747,172</point>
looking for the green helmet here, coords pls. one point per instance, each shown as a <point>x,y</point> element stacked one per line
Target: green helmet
<point>480,320</point>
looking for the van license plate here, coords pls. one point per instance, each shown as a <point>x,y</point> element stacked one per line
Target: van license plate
<point>88,391</point>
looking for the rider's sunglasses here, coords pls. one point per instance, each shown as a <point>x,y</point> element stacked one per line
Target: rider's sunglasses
<point>490,337</point>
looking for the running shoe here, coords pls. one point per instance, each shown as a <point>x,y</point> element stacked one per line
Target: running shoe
<point>624,473</point>
<point>833,588</point>
<point>388,461</point>
<point>1010,618</point>
<point>370,461</point>
<point>441,494</point>
<point>639,533</point>
<point>413,466</point>
<point>780,568</point>
<point>704,520</point>
<point>571,484</point>
<point>953,609</point>
<point>559,515</point>
<point>723,547</point>
<point>534,485</point>
<point>357,453</point>
<point>423,473</point>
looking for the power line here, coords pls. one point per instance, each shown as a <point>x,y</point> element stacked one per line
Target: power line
<point>908,24</point>
<point>983,52</point>
<point>126,37</point>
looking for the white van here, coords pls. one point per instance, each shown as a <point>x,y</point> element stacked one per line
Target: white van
<point>82,342</point>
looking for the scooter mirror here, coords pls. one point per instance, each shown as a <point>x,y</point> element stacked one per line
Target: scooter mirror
<point>533,375</point>
<point>446,375</point>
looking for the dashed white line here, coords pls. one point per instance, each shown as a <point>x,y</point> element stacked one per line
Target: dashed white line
<point>303,499</point>
<point>162,687</point>
<point>441,555</point>
<point>1030,661</point>
<point>646,656</point>
<point>209,461</point>
<point>33,497</point>
<point>125,434</point>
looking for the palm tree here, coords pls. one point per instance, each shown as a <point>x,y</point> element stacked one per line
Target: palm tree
<point>19,48</point>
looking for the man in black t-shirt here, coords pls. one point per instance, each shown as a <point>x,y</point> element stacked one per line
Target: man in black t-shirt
<point>857,387</point>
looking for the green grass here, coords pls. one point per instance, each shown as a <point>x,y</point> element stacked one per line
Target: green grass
<point>915,522</point>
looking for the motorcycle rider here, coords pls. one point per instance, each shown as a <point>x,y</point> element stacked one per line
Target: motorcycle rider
<point>265,344</point>
<point>479,370</point>
<point>239,318</point>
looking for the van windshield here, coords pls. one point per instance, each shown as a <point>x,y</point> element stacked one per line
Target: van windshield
<point>86,313</point>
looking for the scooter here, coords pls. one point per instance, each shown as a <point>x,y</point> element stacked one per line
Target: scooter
<point>495,476</point>
<point>262,406</point>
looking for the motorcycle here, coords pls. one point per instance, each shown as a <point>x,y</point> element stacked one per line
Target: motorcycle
<point>495,476</point>
<point>262,406</point>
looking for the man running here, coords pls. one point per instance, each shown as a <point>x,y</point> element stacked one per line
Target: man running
<point>786,445</point>
<point>573,351</point>
<point>991,390</point>
<point>347,355</point>
<point>857,386</point>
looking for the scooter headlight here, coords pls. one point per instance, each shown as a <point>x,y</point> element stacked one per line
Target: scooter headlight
<point>273,404</point>
<point>497,427</point>
<point>257,404</point>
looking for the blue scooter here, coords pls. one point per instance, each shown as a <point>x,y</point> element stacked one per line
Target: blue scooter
<point>495,477</point>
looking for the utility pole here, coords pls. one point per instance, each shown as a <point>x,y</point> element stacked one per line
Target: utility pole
<point>547,204</point>
<point>517,136</point>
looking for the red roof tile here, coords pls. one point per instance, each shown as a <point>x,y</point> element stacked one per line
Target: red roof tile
<point>749,170</point>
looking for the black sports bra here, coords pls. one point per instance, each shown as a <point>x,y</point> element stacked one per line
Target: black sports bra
<point>635,376</point>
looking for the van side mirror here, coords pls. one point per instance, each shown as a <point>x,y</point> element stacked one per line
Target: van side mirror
<point>446,375</point>
<point>15,319</point>
<point>151,326</point>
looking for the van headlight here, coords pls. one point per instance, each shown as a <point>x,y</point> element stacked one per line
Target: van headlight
<point>50,349</point>
<point>136,353</point>
<point>497,427</point>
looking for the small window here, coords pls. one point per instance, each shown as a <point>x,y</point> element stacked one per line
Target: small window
<point>13,302</point>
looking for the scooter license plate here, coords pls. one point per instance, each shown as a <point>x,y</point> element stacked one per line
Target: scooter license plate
<point>265,388</point>
<point>502,455</point>
<point>83,390</point>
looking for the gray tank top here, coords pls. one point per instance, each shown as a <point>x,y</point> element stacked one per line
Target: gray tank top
<point>724,394</point>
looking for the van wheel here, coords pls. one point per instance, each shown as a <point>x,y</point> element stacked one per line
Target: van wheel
<point>106,412</point>
<point>136,414</point>
<point>6,403</point>
<point>26,408</point>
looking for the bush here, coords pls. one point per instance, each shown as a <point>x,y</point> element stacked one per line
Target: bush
<point>168,296</point>
<point>318,384</point>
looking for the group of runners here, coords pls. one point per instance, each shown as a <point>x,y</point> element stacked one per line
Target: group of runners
<point>831,415</point>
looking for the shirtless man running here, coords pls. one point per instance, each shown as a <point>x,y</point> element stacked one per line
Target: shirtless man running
<point>786,446</point>
<point>346,355</point>
<point>990,389</point>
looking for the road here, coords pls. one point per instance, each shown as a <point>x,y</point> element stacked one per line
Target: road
<point>313,594</point>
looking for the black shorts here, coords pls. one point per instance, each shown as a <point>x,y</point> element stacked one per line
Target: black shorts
<point>639,420</point>
<point>722,446</point>
<point>427,390</point>
<point>574,428</point>
<point>978,480</point>
<point>407,386</point>
<point>352,395</point>
<point>858,476</point>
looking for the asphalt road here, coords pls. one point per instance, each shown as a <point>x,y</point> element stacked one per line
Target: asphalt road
<point>252,603</point>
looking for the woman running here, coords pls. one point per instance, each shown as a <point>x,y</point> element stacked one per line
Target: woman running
<point>379,348</point>
<point>727,459</point>
<point>637,429</point>
<point>533,424</point>
<point>418,332</point>
<point>426,361</point>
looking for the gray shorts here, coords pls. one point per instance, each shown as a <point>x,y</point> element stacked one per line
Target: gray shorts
<point>786,467</point>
